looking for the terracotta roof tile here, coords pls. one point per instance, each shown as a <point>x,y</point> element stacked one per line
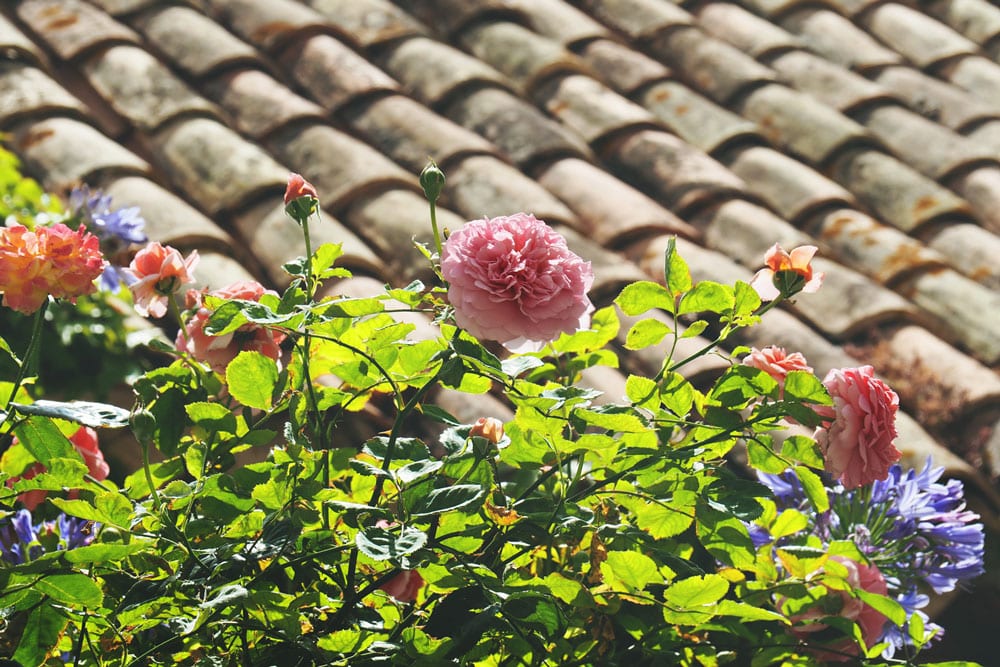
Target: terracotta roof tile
<point>332,72</point>
<point>70,27</point>
<point>216,270</point>
<point>981,187</point>
<point>934,98</point>
<point>637,19</point>
<point>140,88</point>
<point>611,274</point>
<point>744,231</point>
<point>744,30</point>
<point>368,22</point>
<point>217,167</point>
<point>923,40</point>
<point>269,24</point>
<point>789,187</point>
<point>451,16</point>
<point>340,166</point>
<point>976,19</point>
<point>559,21</point>
<point>524,56</point>
<point>611,212</point>
<point>624,69</point>
<point>971,250</point>
<point>26,90</point>
<point>516,126</point>
<point>15,45</point>
<point>589,108</point>
<point>194,43</point>
<point>64,152</point>
<point>977,75</point>
<point>123,7</point>
<point>838,40</point>
<point>842,89</point>
<point>433,71</point>
<point>409,132</point>
<point>258,103</point>
<point>673,172</point>
<point>853,8</point>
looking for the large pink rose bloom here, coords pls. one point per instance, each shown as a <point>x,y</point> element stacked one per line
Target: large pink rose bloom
<point>872,622</point>
<point>512,279</point>
<point>858,443</point>
<point>218,351</point>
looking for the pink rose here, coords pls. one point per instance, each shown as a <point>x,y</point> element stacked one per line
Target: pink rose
<point>787,273</point>
<point>512,279</point>
<point>404,586</point>
<point>872,622</point>
<point>490,428</point>
<point>85,442</point>
<point>858,443</point>
<point>776,362</point>
<point>298,187</point>
<point>218,351</point>
<point>159,271</point>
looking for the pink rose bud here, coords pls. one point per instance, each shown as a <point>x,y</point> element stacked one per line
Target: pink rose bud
<point>787,274</point>
<point>513,279</point>
<point>299,187</point>
<point>858,443</point>
<point>489,428</point>
<point>404,586</point>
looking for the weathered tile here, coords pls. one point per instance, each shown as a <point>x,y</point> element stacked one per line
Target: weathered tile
<point>123,7</point>
<point>450,16</point>
<point>274,239</point>
<point>719,70</point>
<point>268,24</point>
<point>368,22</point>
<point>333,73</point>
<point>801,123</point>
<point>609,381</point>
<point>195,44</point>
<point>516,126</point>
<point>828,82</point>
<point>895,192</point>
<point>673,172</point>
<point>341,167</point>
<point>624,69</point>
<point>775,8</point>
<point>882,252</point>
<point>434,72</point>
<point>15,45</point>
<point>744,30</point>
<point>169,219</point>
<point>939,153</point>
<point>971,250</point>
<point>976,19</point>
<point>611,273</point>
<point>524,56</point>
<point>217,167</point>
<point>696,119</point>
<point>560,21</point>
<point>838,40</point>
<point>258,103</point>
<point>981,188</point>
<point>26,91</point>
<point>745,231</point>
<point>853,8</point>
<point>390,221</point>
<point>485,186</point>
<point>70,27</point>
<point>636,19</point>
<point>611,212</point>
<point>410,133</point>
<point>217,270</point>
<point>792,189</point>
<point>923,40</point>
<point>63,152</point>
<point>987,133</point>
<point>937,100</point>
<point>977,75</point>
<point>589,108</point>
<point>965,311</point>
<point>141,89</point>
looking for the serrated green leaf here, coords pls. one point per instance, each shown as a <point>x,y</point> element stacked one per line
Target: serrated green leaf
<point>71,589</point>
<point>641,391</point>
<point>676,393</point>
<point>761,457</point>
<point>788,522</point>
<point>629,571</point>
<point>251,378</point>
<point>676,275</point>
<point>42,630</point>
<point>748,612</point>
<point>707,296</point>
<point>696,591</point>
<point>44,440</point>
<point>806,388</point>
<point>884,605</point>
<point>802,449</point>
<point>645,333</point>
<point>460,496</point>
<point>102,553</point>
<point>814,489</point>
<point>88,413</point>
<point>381,544</point>
<point>643,295</point>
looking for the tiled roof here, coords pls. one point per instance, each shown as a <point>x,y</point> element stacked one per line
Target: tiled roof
<point>867,127</point>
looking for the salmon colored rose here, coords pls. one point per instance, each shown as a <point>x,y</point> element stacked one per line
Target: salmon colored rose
<point>85,443</point>
<point>512,279</point>
<point>159,272</point>
<point>490,428</point>
<point>857,443</point>
<point>218,351</point>
<point>404,586</point>
<point>298,187</point>
<point>787,274</point>
<point>777,363</point>
<point>54,261</point>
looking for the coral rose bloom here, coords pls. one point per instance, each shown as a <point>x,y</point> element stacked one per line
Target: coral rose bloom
<point>159,271</point>
<point>774,361</point>
<point>858,443</point>
<point>85,442</point>
<point>512,279</point>
<point>404,586</point>
<point>47,261</point>
<point>218,351</point>
<point>787,273</point>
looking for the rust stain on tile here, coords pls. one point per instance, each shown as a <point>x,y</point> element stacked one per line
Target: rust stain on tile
<point>906,256</point>
<point>661,95</point>
<point>63,22</point>
<point>35,137</point>
<point>681,109</point>
<point>925,204</point>
<point>269,31</point>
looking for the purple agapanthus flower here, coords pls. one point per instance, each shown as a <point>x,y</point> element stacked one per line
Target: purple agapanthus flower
<point>22,540</point>
<point>116,229</point>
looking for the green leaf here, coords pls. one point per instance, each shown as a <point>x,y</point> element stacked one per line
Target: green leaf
<point>696,591</point>
<point>562,587</point>
<point>788,522</point>
<point>806,388</point>
<point>619,422</point>
<point>645,333</point>
<point>802,449</point>
<point>252,377</point>
<point>381,544</point>
<point>814,489</point>
<point>533,609</point>
<point>746,301</point>
<point>630,571</point>
<point>662,522</point>
<point>676,275</point>
<point>450,498</point>
<point>748,612</point>
<point>44,440</point>
<point>884,605</point>
<point>676,393</point>
<point>102,553</point>
<point>213,417</point>
<point>411,472</point>
<point>761,457</point>
<point>71,589</point>
<point>88,413</point>
<point>644,295</point>
<point>42,630</point>
<point>641,391</point>
<point>515,366</point>
<point>707,296</point>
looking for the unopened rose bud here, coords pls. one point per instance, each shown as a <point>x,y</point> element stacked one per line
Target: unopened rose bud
<point>432,181</point>
<point>489,428</point>
<point>301,198</point>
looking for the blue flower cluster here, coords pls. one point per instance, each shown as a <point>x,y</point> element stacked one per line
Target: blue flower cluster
<point>913,527</point>
<point>116,229</point>
<point>22,540</point>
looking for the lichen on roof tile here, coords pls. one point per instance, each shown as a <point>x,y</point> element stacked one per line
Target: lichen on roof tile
<point>195,44</point>
<point>368,22</point>
<point>828,82</point>
<point>141,88</point>
<point>123,7</point>
<point>63,152</point>
<point>267,24</point>
<point>936,99</point>
<point>560,21</point>
<point>258,103</point>
<point>637,19</point>
<point>70,27</point>
<point>975,74</point>
<point>981,188</point>
<point>26,90</point>
<point>449,16</point>
<point>624,69</point>
<point>744,231</point>
<point>744,30</point>
<point>611,274</point>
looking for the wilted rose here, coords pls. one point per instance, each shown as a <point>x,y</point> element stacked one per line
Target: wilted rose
<point>512,279</point>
